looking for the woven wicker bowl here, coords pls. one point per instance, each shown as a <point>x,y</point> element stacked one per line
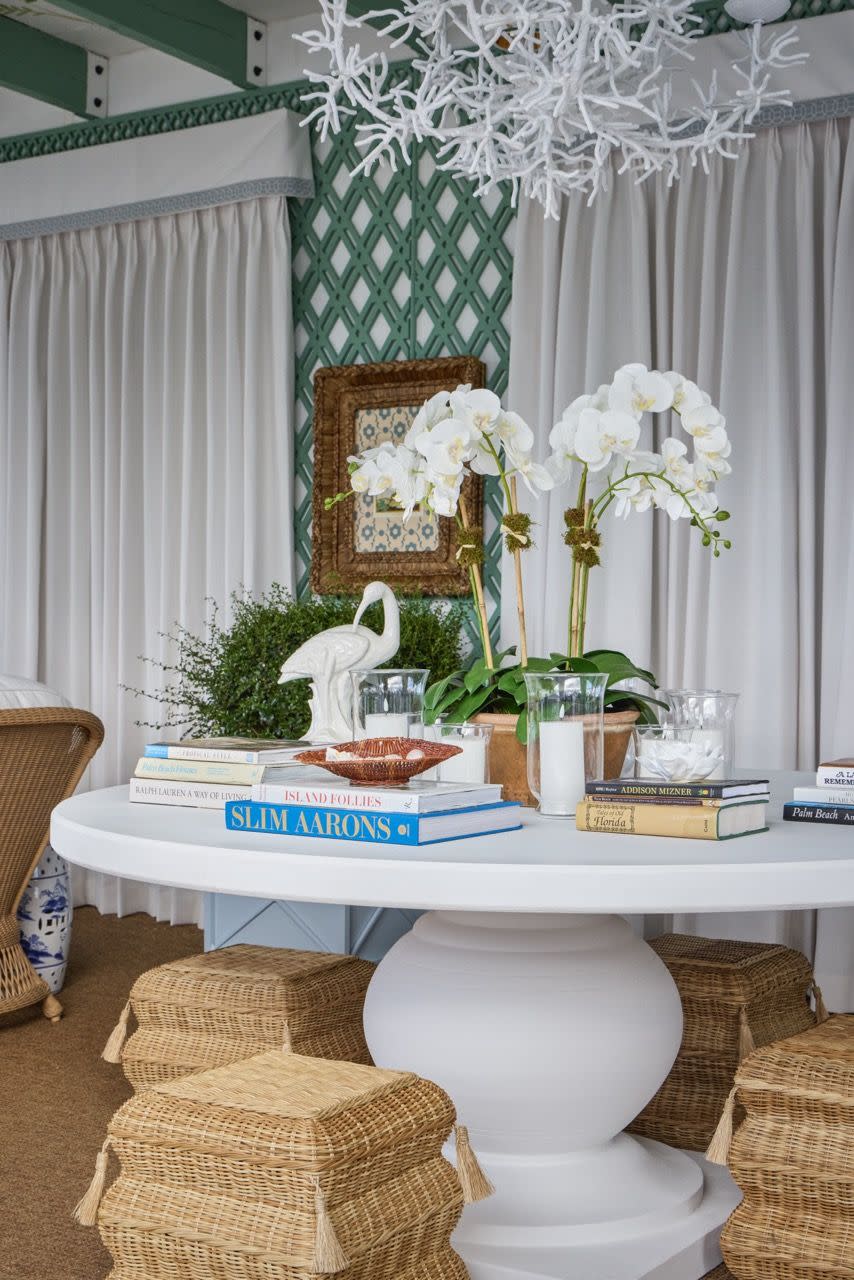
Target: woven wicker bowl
<point>372,769</point>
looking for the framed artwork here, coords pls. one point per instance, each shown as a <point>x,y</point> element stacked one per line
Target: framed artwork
<point>356,407</point>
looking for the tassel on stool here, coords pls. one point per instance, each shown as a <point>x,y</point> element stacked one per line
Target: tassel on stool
<point>86,1209</point>
<point>718,1150</point>
<point>474,1182</point>
<point>821,1014</point>
<point>112,1051</point>
<point>746,1043</point>
<point>329,1257</point>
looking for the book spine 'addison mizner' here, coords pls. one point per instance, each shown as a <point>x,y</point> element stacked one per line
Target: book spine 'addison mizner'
<point>326,824</point>
<point>660,791</point>
<point>841,815</point>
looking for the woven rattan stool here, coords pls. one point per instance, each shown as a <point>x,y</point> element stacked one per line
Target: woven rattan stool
<point>213,1009</point>
<point>793,1157</point>
<point>283,1167</point>
<point>735,996</point>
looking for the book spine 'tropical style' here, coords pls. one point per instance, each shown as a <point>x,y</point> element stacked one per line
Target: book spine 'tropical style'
<point>222,755</point>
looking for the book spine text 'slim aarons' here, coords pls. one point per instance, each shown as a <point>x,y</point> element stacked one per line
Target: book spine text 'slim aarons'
<point>325,824</point>
<point>840,815</point>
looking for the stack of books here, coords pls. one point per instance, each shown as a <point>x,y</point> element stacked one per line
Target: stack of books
<point>205,773</point>
<point>830,800</point>
<point>696,810</point>
<point>418,813</point>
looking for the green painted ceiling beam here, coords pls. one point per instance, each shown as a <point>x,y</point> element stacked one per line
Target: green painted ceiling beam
<point>41,66</point>
<point>206,33</point>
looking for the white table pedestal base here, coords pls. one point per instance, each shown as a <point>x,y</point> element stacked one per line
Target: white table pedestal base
<point>551,1033</point>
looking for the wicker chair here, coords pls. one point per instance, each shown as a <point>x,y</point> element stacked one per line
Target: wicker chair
<point>43,753</point>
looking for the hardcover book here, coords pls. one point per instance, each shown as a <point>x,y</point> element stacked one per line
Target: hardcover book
<point>835,773</point>
<point>416,797</point>
<point>638,788</point>
<point>693,822</point>
<point>841,815</point>
<point>371,827</point>
<point>224,771</point>
<point>824,795</point>
<point>192,795</point>
<point>228,750</point>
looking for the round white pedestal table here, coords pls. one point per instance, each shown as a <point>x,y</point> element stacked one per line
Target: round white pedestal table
<point>526,995</point>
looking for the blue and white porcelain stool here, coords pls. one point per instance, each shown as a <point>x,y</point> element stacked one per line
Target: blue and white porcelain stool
<point>45,910</point>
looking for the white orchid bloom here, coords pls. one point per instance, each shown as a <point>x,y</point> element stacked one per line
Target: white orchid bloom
<point>686,394</point>
<point>447,446</point>
<point>636,389</point>
<point>676,465</point>
<point>708,427</point>
<point>709,467</point>
<point>628,490</point>
<point>535,477</point>
<point>478,409</point>
<point>432,411</point>
<point>444,497</point>
<point>514,432</point>
<point>601,435</point>
<point>410,481</point>
<point>666,499</point>
<point>483,461</point>
<point>386,470</point>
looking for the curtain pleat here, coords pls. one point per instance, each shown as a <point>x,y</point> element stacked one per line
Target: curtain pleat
<point>145,438</point>
<point>744,281</point>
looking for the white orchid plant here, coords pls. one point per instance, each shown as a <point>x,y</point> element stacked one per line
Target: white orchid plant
<point>597,438</point>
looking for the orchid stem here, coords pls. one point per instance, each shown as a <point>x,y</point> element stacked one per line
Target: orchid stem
<point>477,586</point>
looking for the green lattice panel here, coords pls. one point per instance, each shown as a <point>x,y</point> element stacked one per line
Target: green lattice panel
<point>716,20</point>
<point>398,265</point>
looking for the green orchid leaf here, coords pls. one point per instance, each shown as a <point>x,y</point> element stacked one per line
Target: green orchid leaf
<point>473,703</point>
<point>522,727</point>
<point>437,690</point>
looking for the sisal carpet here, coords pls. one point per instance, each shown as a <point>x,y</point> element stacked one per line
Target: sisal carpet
<point>57,1096</point>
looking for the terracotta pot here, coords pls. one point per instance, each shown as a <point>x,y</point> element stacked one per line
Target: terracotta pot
<point>508,758</point>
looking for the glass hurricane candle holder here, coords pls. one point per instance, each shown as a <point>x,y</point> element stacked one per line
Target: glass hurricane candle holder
<point>662,754</point>
<point>565,737</point>
<point>388,703</point>
<point>472,765</point>
<point>704,718</point>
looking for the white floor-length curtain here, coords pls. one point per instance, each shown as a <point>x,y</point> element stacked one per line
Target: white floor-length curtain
<point>145,457</point>
<point>743,281</point>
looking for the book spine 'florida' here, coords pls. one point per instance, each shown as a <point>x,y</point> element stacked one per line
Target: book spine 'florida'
<point>198,770</point>
<point>325,824</point>
<point>696,822</point>
<point>841,815</point>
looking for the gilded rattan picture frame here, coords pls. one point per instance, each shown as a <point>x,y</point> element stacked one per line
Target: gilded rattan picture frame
<point>363,539</point>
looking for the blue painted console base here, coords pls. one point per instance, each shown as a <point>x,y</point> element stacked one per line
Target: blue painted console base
<point>368,932</point>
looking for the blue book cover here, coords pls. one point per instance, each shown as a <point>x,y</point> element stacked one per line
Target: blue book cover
<point>371,828</point>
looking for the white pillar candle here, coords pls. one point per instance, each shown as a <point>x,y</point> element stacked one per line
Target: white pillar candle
<point>386,724</point>
<point>561,765</point>
<point>469,766</point>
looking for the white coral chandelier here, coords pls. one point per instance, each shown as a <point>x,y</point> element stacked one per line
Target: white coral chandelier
<point>544,94</point>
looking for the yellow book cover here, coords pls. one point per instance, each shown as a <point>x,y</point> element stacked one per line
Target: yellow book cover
<point>693,822</point>
<point>221,771</point>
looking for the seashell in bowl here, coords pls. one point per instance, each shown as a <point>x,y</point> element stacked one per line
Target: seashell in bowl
<point>379,762</point>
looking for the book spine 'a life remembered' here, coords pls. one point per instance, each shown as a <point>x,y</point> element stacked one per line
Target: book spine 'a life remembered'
<point>841,815</point>
<point>697,822</point>
<point>191,795</point>
<point>828,775</point>
<point>198,770</point>
<point>326,824</point>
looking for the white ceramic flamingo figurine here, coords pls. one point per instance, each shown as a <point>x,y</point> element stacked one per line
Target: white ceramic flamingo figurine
<point>329,657</point>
